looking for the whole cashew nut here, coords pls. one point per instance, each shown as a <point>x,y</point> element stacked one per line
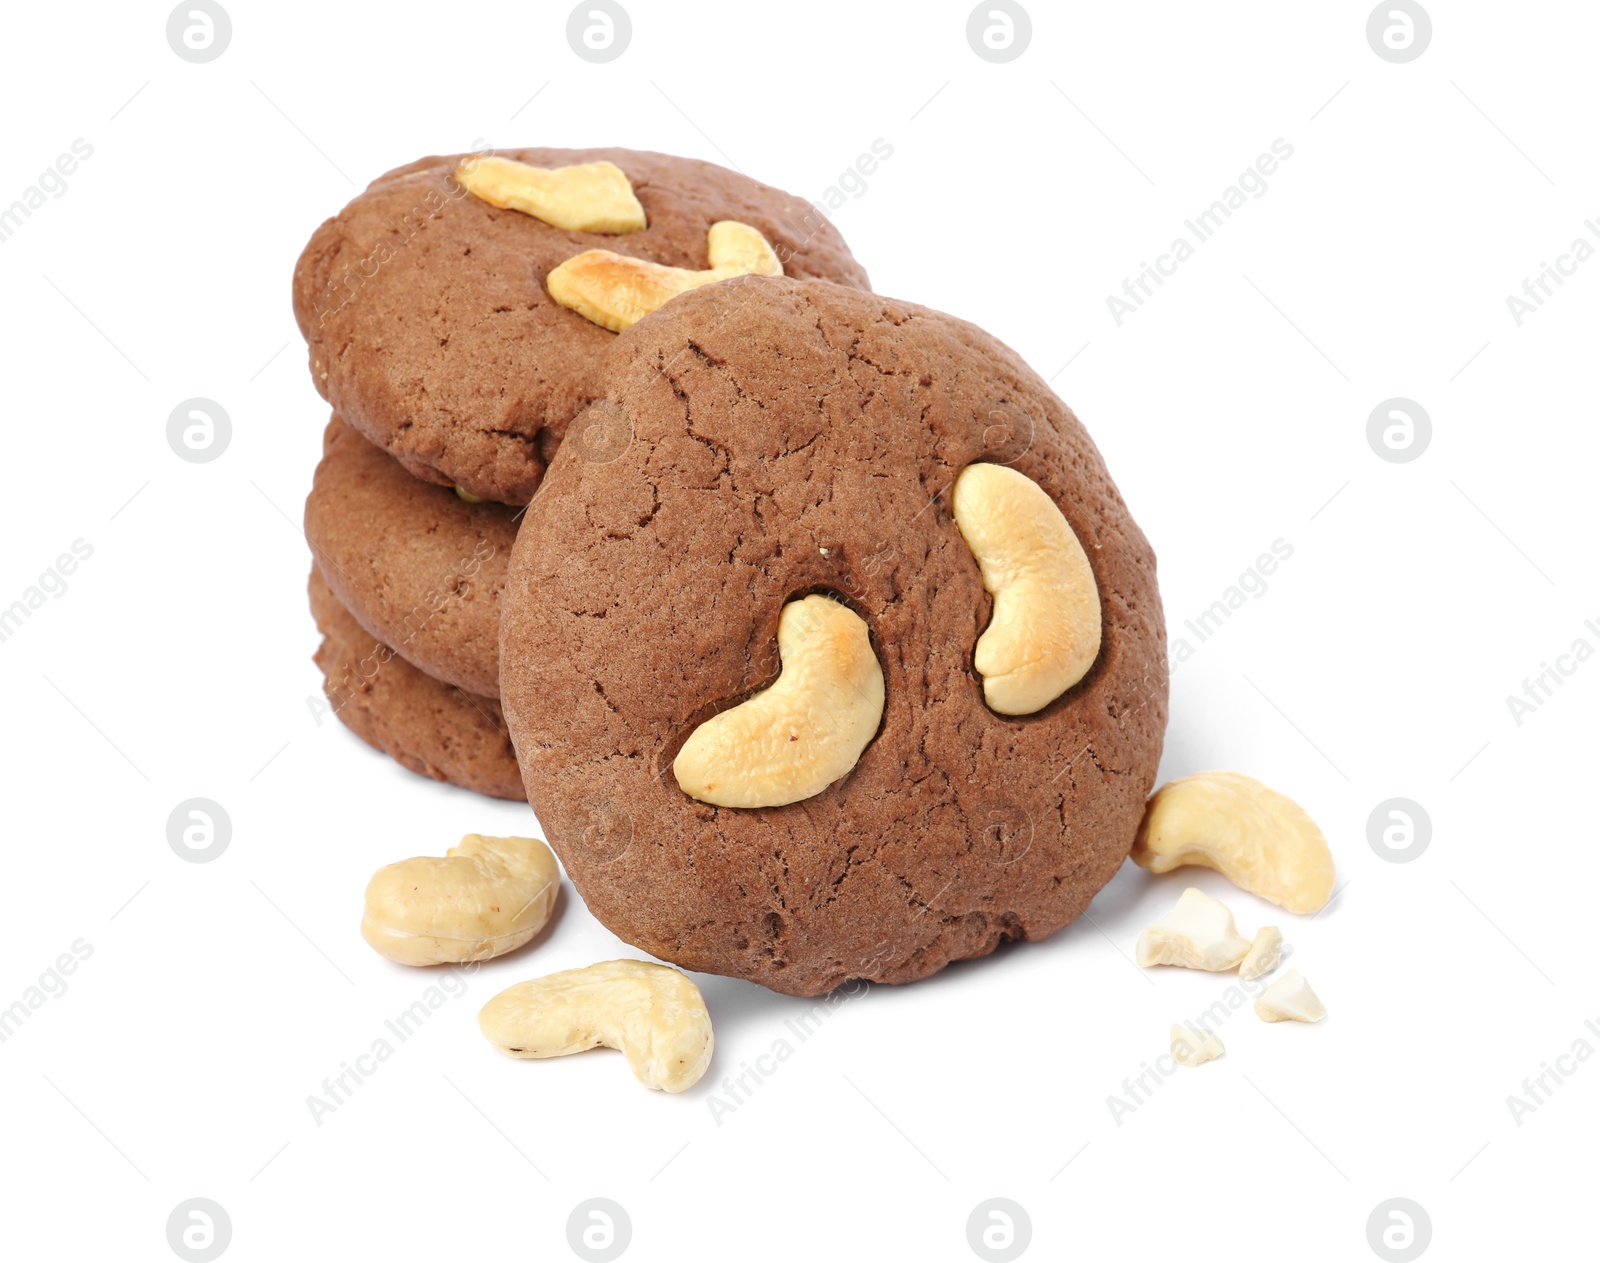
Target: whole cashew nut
<point>1255,837</point>
<point>485,897</point>
<point>1044,634</point>
<point>586,197</point>
<point>808,729</point>
<point>616,291</point>
<point>653,1014</point>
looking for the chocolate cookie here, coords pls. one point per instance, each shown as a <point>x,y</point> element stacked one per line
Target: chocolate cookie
<point>796,438</point>
<point>431,330</point>
<point>419,567</point>
<point>431,727</point>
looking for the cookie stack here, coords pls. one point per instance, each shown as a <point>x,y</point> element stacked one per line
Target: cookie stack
<point>827,647</point>
<point>454,376</point>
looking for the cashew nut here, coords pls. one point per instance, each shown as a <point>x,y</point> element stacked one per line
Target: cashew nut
<point>654,1014</point>
<point>586,197</point>
<point>1256,838</point>
<point>1044,634</point>
<point>1266,950</point>
<point>797,737</point>
<point>486,897</point>
<point>1197,934</point>
<point>616,291</point>
<point>1290,999</point>
<point>1192,1047</point>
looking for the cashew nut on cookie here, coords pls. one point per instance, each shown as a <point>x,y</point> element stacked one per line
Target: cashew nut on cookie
<point>586,197</point>
<point>617,291</point>
<point>1044,634</point>
<point>807,730</point>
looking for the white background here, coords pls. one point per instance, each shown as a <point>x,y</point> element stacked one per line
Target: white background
<point>1232,411</point>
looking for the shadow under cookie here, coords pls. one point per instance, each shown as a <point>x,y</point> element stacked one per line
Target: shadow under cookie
<point>433,728</point>
<point>417,566</point>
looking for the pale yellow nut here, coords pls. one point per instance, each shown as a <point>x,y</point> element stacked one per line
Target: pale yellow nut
<point>1192,1047</point>
<point>617,291</point>
<point>1290,999</point>
<point>486,897</point>
<point>1197,934</point>
<point>1255,837</point>
<point>467,495</point>
<point>1044,634</point>
<point>1266,950</point>
<point>808,729</point>
<point>653,1014</point>
<point>587,197</point>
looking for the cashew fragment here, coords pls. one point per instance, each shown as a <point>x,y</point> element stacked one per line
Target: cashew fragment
<point>1044,634</point>
<point>1197,934</point>
<point>1290,999</point>
<point>585,197</point>
<point>616,291</point>
<point>797,737</point>
<point>1193,1048</point>
<point>654,1014</point>
<point>1266,950</point>
<point>486,897</point>
<point>1255,837</point>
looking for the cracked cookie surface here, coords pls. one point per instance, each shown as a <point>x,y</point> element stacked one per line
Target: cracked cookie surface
<point>782,438</point>
<point>430,328</point>
<point>416,565</point>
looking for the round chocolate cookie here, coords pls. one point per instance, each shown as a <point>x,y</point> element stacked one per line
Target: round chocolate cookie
<point>795,438</point>
<point>431,330</point>
<point>424,724</point>
<point>419,567</point>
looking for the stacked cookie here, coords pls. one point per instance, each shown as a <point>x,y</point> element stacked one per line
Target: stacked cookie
<point>827,647</point>
<point>454,376</point>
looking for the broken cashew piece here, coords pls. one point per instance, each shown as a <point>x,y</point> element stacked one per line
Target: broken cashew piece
<point>586,197</point>
<point>797,737</point>
<point>1290,999</point>
<point>653,1014</point>
<point>1193,1048</point>
<point>485,897</point>
<point>1266,950</point>
<point>1197,934</point>
<point>616,291</point>
<point>1255,837</point>
<point>1044,634</point>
